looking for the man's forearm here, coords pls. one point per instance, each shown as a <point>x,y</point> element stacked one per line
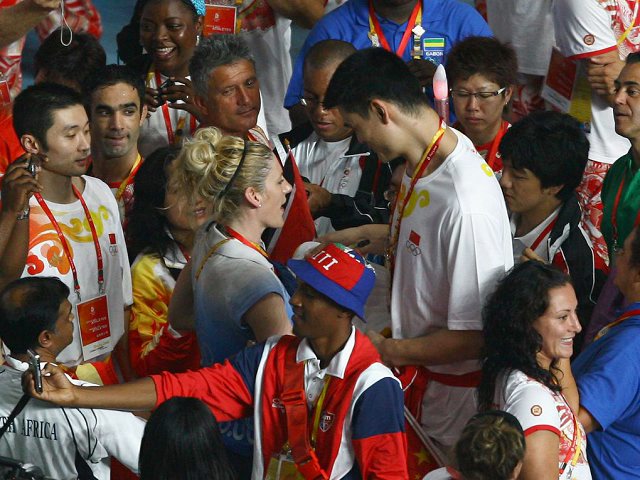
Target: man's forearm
<point>137,395</point>
<point>16,21</point>
<point>14,246</point>
<point>438,348</point>
<point>305,13</point>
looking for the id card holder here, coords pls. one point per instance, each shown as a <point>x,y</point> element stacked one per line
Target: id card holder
<point>219,19</point>
<point>282,467</point>
<point>433,49</point>
<point>95,331</point>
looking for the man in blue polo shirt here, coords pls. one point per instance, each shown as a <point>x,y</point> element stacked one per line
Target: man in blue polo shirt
<point>608,377</point>
<point>421,32</point>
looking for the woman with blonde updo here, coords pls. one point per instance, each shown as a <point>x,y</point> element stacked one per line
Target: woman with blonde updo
<point>229,286</point>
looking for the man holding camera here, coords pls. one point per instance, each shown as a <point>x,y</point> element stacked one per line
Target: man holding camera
<point>37,317</point>
<point>71,230</point>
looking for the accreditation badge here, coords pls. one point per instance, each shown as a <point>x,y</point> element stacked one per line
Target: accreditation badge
<point>95,331</point>
<point>433,49</point>
<point>219,19</point>
<point>282,467</point>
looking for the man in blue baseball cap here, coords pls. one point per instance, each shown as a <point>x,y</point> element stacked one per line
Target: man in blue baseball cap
<point>324,405</point>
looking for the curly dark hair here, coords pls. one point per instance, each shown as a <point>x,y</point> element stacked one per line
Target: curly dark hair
<point>147,227</point>
<point>511,341</point>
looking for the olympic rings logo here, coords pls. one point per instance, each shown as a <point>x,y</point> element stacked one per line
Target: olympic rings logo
<point>413,248</point>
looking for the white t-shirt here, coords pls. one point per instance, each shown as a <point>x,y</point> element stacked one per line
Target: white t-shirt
<point>538,408</point>
<point>528,26</point>
<point>454,245</point>
<point>46,257</point>
<point>323,164</point>
<point>527,240</point>
<point>585,28</point>
<point>42,436</point>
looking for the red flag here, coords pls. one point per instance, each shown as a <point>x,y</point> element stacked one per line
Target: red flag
<point>298,223</point>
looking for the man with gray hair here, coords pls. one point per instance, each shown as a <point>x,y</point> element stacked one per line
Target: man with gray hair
<point>226,86</point>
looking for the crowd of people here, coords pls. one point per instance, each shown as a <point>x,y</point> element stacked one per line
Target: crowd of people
<point>315,270</point>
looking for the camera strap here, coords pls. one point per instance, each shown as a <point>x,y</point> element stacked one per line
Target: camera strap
<point>14,413</point>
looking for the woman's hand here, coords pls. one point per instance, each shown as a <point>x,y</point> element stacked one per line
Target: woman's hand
<point>151,99</point>
<point>180,96</point>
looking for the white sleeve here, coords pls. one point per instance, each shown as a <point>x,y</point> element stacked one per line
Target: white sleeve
<point>475,263</point>
<point>583,28</point>
<point>532,405</point>
<point>120,433</point>
<point>127,289</point>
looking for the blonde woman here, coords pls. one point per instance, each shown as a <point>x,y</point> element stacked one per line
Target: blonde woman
<point>229,287</point>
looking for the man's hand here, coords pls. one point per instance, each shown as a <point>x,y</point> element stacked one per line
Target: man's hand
<point>377,236</point>
<point>319,198</point>
<point>602,71</point>
<point>17,186</point>
<point>528,254</point>
<point>423,70</point>
<point>45,4</point>
<point>56,387</point>
<point>379,342</point>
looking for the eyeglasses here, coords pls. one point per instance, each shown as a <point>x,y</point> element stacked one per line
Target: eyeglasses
<point>480,96</point>
<point>311,102</point>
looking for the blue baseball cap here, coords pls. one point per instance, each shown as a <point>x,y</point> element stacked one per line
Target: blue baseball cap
<point>340,273</point>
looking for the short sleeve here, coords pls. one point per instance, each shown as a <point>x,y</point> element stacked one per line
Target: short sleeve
<point>583,28</point>
<point>534,407</point>
<point>609,383</point>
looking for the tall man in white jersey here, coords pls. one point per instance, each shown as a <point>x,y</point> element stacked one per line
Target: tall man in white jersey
<point>449,241</point>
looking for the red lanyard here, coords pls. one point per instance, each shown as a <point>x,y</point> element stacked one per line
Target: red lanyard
<point>129,178</point>
<point>492,155</point>
<point>614,214</point>
<point>375,29</point>
<point>417,174</point>
<point>544,233</point>
<point>65,244</point>
<point>181,119</point>
<point>620,319</point>
<point>184,251</point>
<point>241,239</point>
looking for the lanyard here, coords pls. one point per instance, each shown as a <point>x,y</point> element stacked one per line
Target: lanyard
<point>614,213</point>
<point>627,31</point>
<point>171,135</point>
<point>318,411</point>
<point>424,162</point>
<point>184,251</point>
<point>628,314</point>
<point>65,244</point>
<point>544,233</point>
<point>377,35</point>
<point>493,155</point>
<point>129,178</point>
<point>574,451</point>
<point>241,239</point>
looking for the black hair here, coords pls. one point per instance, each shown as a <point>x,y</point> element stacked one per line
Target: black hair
<point>490,447</point>
<point>76,62</point>
<point>511,341</point>
<point>182,440</point>
<point>29,306</point>
<point>328,53</point>
<point>34,107</point>
<point>552,146</point>
<point>633,58</point>
<point>147,228</point>
<point>486,56</point>
<point>111,75</point>
<point>387,78</point>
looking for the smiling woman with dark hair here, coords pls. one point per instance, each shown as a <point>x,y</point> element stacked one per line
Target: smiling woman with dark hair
<point>169,33</point>
<point>530,323</point>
